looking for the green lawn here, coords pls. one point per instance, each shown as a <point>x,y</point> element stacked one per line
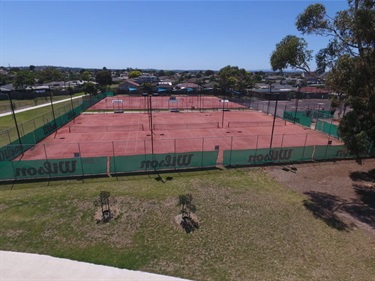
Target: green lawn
<point>251,228</point>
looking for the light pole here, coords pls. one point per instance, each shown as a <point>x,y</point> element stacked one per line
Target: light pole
<point>53,111</point>
<point>151,125</point>
<point>274,119</point>
<point>296,110</point>
<point>269,99</point>
<point>71,95</point>
<point>222,118</point>
<point>15,120</point>
<point>147,87</point>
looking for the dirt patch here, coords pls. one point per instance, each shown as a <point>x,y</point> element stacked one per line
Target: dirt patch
<point>332,192</point>
<point>115,211</point>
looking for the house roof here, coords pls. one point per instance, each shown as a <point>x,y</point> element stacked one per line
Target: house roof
<point>127,82</point>
<point>314,90</point>
<point>8,86</point>
<point>4,89</point>
<point>187,85</point>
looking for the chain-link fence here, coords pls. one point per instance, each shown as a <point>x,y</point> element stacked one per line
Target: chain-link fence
<point>118,157</point>
<point>27,158</point>
<point>34,130</point>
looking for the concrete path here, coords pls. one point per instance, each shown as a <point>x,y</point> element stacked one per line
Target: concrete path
<point>37,106</point>
<point>23,266</point>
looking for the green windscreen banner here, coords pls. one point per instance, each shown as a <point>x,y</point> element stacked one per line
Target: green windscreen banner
<point>297,117</point>
<point>7,171</point>
<point>11,151</point>
<point>54,168</point>
<point>319,114</point>
<point>322,152</point>
<point>267,156</point>
<point>168,161</point>
<point>325,127</point>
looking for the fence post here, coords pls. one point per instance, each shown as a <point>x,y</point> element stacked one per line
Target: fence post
<point>304,147</point>
<point>10,140</point>
<point>202,152</point>
<point>80,158</point>
<point>145,153</point>
<point>45,153</point>
<point>231,149</point>
<point>23,130</point>
<point>282,141</point>
<point>330,127</point>
<point>14,170</point>
<point>114,158</point>
<point>175,151</point>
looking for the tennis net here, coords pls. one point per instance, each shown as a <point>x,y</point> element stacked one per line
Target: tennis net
<point>184,126</point>
<point>255,124</point>
<point>95,129</point>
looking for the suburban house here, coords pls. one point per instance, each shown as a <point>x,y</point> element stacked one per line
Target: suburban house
<point>147,79</point>
<point>164,88</point>
<point>128,87</point>
<point>271,91</point>
<point>315,92</point>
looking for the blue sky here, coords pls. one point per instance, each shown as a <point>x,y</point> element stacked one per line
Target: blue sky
<point>149,34</point>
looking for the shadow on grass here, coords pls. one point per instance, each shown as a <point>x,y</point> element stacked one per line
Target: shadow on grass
<point>323,206</point>
<point>189,224</point>
<point>159,178</point>
<point>363,176</point>
<point>364,212</point>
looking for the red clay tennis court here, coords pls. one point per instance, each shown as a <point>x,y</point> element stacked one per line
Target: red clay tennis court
<point>110,134</point>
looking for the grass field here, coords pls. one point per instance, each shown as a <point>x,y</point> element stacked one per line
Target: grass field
<point>7,122</point>
<point>251,228</point>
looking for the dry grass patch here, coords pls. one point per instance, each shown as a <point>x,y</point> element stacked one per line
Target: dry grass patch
<point>250,228</point>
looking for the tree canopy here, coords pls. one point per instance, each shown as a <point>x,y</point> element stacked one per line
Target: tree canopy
<point>232,77</point>
<point>349,59</point>
<point>50,74</point>
<point>90,88</point>
<point>134,74</point>
<point>103,77</point>
<point>23,79</point>
<point>85,75</point>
